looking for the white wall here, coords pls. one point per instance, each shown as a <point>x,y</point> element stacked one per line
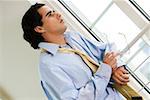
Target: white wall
<point>19,78</point>
<point>0,42</point>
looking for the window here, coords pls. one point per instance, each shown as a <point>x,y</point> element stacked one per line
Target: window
<point>144,5</point>
<point>111,23</point>
<point>117,27</point>
<point>139,60</point>
<point>87,12</point>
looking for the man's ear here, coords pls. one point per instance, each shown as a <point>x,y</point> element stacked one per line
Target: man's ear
<point>39,29</point>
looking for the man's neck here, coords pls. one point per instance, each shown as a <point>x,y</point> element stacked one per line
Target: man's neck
<point>53,38</point>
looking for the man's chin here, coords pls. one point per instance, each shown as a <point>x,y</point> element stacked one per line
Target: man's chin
<point>65,28</point>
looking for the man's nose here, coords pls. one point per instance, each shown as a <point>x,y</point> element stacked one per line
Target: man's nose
<point>58,15</point>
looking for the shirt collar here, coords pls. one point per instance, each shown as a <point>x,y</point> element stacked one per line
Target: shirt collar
<point>51,47</point>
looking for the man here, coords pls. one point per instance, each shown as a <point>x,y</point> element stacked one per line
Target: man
<point>65,76</point>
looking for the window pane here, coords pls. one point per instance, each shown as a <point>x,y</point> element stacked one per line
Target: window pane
<point>145,94</point>
<point>136,48</point>
<point>118,28</point>
<point>149,85</point>
<point>144,4</point>
<point>89,9</point>
<point>138,59</point>
<point>140,56</point>
<point>145,69</point>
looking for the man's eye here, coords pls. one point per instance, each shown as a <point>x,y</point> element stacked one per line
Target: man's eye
<point>49,14</point>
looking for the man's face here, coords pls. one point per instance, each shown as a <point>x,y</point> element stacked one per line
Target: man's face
<point>52,21</point>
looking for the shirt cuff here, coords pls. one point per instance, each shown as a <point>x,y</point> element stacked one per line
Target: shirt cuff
<point>104,71</point>
<point>120,63</point>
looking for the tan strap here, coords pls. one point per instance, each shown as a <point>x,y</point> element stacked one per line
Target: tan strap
<point>127,92</point>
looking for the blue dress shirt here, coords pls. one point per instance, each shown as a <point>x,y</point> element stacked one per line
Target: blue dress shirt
<point>65,76</point>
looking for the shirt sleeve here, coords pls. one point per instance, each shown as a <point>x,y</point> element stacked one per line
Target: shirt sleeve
<point>59,85</point>
<point>103,72</point>
<point>99,49</point>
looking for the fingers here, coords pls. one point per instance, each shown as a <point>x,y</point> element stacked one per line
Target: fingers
<point>111,55</point>
<point>110,59</point>
<point>113,63</point>
<point>125,71</point>
<point>118,81</point>
<point>107,54</point>
<point>125,76</point>
<point>121,79</point>
<point>121,76</point>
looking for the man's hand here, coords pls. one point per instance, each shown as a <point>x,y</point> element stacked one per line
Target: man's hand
<point>120,75</point>
<point>110,59</point>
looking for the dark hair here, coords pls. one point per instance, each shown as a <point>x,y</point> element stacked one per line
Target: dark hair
<point>30,20</point>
